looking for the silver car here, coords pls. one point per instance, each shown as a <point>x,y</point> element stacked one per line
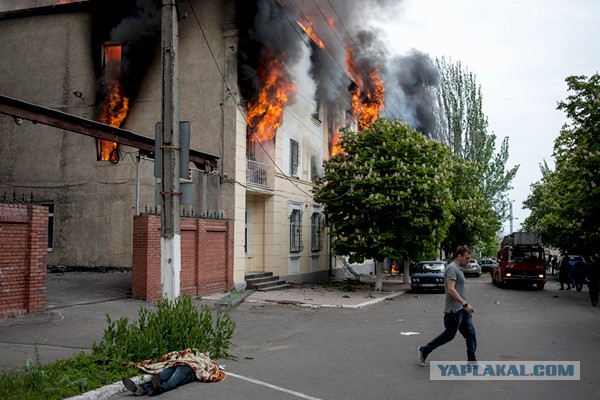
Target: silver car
<point>472,269</point>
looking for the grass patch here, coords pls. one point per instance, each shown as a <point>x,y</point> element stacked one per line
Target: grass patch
<point>62,378</point>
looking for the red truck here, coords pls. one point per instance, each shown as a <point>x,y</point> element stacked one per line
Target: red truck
<point>521,259</point>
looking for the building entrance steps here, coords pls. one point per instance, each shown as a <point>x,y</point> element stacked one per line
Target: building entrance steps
<point>264,281</point>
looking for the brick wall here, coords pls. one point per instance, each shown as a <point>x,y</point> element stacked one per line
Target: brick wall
<point>23,258</point>
<point>206,257</point>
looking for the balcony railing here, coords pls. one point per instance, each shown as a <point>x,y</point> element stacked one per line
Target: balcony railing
<point>257,174</point>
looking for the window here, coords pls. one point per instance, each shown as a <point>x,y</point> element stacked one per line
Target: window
<point>316,172</point>
<point>315,228</point>
<point>296,231</point>
<point>294,157</point>
<point>50,225</point>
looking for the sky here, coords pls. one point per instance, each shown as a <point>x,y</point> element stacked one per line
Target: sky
<point>521,51</point>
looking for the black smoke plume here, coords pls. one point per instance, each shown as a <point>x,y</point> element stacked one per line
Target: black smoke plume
<point>411,82</point>
<point>271,26</point>
<point>135,24</point>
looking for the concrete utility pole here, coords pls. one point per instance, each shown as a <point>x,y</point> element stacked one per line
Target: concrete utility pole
<point>170,242</point>
<point>510,218</point>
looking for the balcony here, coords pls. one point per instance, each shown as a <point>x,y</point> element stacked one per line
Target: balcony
<point>258,176</point>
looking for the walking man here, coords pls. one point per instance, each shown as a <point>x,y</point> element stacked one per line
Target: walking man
<point>457,312</point>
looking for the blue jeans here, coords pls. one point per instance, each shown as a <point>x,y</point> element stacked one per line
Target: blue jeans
<point>462,322</point>
<point>172,377</point>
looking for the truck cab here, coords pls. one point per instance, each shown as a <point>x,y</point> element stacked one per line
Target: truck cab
<point>521,259</point>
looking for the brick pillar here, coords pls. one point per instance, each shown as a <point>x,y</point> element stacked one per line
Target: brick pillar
<point>145,275</point>
<point>37,259</point>
<point>23,258</point>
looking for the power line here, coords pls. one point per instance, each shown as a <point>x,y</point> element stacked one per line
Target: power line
<point>239,106</point>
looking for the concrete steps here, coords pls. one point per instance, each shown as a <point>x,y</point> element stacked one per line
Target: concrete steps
<point>264,281</point>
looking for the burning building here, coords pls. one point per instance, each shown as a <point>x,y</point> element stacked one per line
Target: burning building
<point>267,86</point>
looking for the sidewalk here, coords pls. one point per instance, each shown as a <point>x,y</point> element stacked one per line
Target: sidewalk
<point>77,304</point>
<point>329,294</point>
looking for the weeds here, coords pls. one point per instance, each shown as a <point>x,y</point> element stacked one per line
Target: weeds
<point>174,325</point>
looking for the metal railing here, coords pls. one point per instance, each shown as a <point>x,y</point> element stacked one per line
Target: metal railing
<point>347,268</point>
<point>257,174</point>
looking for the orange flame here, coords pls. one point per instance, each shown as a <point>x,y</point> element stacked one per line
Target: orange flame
<point>265,113</point>
<point>336,146</point>
<point>368,96</point>
<point>312,34</point>
<point>116,106</point>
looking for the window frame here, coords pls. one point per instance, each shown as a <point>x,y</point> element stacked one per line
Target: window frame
<point>296,230</point>
<point>51,212</point>
<point>316,242</point>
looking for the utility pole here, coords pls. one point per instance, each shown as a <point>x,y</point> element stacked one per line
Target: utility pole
<point>510,218</point>
<point>170,241</point>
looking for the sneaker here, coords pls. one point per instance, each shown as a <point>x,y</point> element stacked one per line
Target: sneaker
<point>132,387</point>
<point>421,356</point>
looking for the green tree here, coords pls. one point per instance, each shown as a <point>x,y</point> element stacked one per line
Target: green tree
<point>388,194</point>
<point>475,222</point>
<point>547,216</point>
<point>568,218</point>
<point>463,126</point>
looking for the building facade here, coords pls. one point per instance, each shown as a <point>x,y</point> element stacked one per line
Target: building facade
<point>54,54</point>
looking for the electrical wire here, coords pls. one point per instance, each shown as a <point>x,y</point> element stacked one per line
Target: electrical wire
<point>239,106</point>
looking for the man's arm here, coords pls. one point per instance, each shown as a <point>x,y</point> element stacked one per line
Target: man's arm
<point>456,296</point>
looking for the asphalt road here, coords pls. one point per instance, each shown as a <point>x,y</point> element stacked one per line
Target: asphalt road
<point>289,352</point>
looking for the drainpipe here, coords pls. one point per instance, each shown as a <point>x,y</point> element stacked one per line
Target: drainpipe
<point>137,184</point>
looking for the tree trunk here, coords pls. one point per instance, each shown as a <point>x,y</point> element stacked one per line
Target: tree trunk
<point>406,272</point>
<point>378,276</point>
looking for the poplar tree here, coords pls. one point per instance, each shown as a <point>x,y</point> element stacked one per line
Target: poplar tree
<point>463,126</point>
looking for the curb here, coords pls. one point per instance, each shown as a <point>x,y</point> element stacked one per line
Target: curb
<point>108,391</point>
<point>311,305</point>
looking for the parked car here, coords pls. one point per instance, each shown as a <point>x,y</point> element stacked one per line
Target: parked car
<point>472,268</point>
<point>487,264</point>
<point>428,275</point>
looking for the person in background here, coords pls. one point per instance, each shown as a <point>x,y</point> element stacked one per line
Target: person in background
<point>593,275</point>
<point>563,273</point>
<point>549,263</point>
<point>579,272</point>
